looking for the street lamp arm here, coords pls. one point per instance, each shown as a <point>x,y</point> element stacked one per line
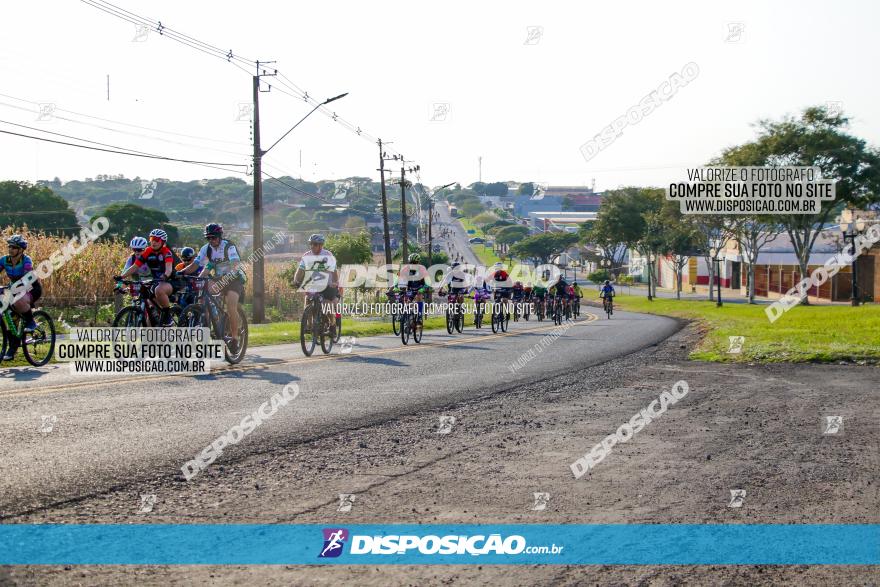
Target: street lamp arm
<point>324,103</point>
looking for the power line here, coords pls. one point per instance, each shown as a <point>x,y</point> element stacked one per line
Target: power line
<point>168,132</point>
<point>128,152</point>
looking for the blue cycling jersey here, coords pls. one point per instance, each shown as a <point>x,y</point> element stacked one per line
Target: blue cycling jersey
<point>16,271</point>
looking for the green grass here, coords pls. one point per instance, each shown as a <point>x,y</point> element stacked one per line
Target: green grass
<point>803,334</point>
<point>485,254</point>
<point>288,332</point>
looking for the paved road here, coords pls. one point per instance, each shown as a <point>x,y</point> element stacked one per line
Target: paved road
<point>112,432</point>
<point>457,241</point>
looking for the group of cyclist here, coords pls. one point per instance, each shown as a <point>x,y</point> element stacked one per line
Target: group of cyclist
<point>457,283</point>
<point>168,277</point>
<point>152,259</point>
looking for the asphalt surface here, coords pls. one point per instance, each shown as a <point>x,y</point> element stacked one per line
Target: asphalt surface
<point>456,242</point>
<point>112,431</point>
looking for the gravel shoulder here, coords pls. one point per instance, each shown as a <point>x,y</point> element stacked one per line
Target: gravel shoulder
<point>748,427</point>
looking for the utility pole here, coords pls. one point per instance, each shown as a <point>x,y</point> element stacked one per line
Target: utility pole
<point>404,251</point>
<point>259,270</point>
<point>259,313</point>
<point>480,166</point>
<point>430,236</point>
<point>387,234</point>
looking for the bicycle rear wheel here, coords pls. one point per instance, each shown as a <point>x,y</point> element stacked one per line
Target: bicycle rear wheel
<point>307,338</point>
<point>129,317</point>
<point>395,324</point>
<point>39,345</point>
<point>496,320</point>
<point>459,320</point>
<point>450,321</point>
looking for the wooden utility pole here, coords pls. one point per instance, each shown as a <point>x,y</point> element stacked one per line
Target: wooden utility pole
<point>387,233</point>
<point>404,251</point>
<point>259,315</point>
<point>430,236</point>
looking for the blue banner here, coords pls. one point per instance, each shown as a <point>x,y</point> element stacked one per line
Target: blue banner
<point>261,544</point>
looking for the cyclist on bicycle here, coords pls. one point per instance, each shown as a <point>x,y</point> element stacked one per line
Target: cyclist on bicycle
<point>458,280</point>
<point>607,290</point>
<point>416,286</point>
<point>560,290</point>
<point>16,265</point>
<point>540,295</point>
<point>221,257</point>
<point>137,246</point>
<point>317,273</point>
<point>500,282</point>
<point>186,268</point>
<point>159,258</point>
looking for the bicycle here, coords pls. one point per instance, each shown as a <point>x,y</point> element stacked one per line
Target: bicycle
<point>209,311</point>
<point>316,326</point>
<point>577,307</point>
<point>455,315</point>
<point>409,323</point>
<point>608,306</point>
<point>541,310</point>
<point>38,346</point>
<point>480,305</point>
<point>500,313</point>
<point>143,312</point>
<point>394,300</point>
<point>556,310</point>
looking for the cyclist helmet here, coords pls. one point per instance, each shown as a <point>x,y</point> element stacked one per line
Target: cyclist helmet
<point>138,243</point>
<point>213,229</point>
<point>187,253</point>
<point>415,258</point>
<point>497,266</point>
<point>159,234</point>
<point>316,238</point>
<point>16,240</point>
<point>518,284</point>
<point>607,282</point>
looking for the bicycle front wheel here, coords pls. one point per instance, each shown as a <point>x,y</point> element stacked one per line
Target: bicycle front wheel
<point>242,333</point>
<point>39,345</point>
<point>404,328</point>
<point>307,338</point>
<point>327,335</point>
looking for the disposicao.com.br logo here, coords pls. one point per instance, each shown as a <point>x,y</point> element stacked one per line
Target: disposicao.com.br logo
<point>403,544</point>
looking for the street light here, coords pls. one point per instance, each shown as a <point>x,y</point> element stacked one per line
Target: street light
<point>858,226</point>
<point>651,259</point>
<point>713,252</point>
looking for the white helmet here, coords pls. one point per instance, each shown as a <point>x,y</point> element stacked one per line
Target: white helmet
<point>138,242</point>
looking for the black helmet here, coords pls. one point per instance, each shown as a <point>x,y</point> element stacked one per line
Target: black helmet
<point>607,282</point>
<point>187,253</point>
<point>213,229</point>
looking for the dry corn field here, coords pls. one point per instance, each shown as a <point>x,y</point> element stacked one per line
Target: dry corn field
<point>87,277</point>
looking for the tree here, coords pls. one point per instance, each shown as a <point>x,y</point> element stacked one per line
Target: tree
<point>752,233</point>
<point>816,139</point>
<point>511,234</point>
<point>497,189</point>
<point>471,207</point>
<point>526,189</point>
<point>627,214</point>
<point>130,220</point>
<point>679,237</point>
<point>38,207</point>
<point>484,218</point>
<point>598,232</point>
<point>543,246</point>
<point>479,188</point>
<point>350,248</point>
<point>712,231</point>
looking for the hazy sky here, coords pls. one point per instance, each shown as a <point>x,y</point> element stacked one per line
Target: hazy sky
<point>524,99</point>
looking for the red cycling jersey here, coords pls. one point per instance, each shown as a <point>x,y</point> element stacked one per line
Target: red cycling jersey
<point>158,261</point>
